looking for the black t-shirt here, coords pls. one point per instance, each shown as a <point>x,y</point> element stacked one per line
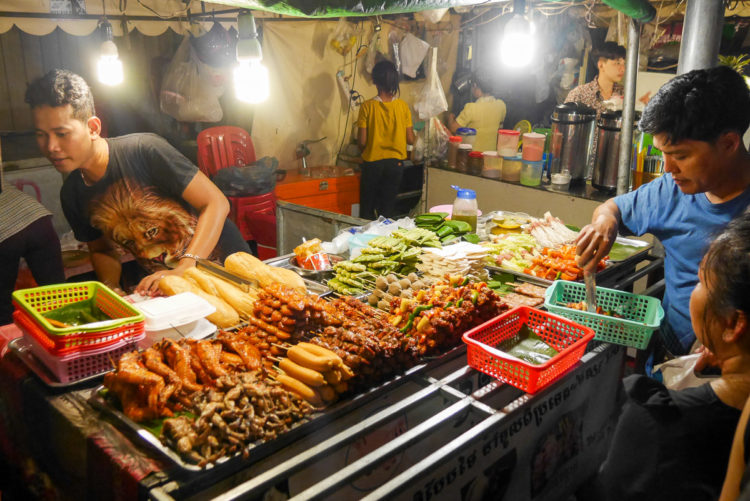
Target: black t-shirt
<point>668,444</point>
<point>138,203</point>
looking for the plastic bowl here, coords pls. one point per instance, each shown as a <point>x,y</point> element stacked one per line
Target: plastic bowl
<point>315,274</point>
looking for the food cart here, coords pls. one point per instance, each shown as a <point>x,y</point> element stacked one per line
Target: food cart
<point>440,430</point>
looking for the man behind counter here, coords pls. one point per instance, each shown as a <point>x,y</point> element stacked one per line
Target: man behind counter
<point>135,191</point>
<point>697,120</point>
<point>486,115</point>
<point>610,61</point>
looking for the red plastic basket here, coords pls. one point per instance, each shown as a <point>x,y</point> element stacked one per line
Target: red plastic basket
<point>76,366</point>
<point>567,337</point>
<point>75,343</point>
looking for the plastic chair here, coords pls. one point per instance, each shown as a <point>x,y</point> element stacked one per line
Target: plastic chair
<point>20,183</point>
<point>225,146</point>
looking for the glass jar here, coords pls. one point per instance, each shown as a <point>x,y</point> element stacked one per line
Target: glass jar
<point>476,163</point>
<point>462,157</point>
<point>453,143</point>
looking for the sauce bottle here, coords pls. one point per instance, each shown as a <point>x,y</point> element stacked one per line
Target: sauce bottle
<point>465,207</point>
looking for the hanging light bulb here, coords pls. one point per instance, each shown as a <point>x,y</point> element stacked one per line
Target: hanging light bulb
<point>518,45</point>
<point>250,76</point>
<point>109,66</point>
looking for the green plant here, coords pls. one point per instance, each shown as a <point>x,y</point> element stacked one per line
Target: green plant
<point>737,63</point>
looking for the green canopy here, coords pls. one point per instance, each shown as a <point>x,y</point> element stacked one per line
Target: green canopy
<point>640,10</point>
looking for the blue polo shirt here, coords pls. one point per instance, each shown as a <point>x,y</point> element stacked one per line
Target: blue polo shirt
<point>685,225</point>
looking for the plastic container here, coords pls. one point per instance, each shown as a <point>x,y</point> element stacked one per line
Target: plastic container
<point>531,173</point>
<point>40,300</point>
<point>511,168</point>
<point>75,344</point>
<point>465,207</point>
<point>533,146</point>
<point>507,142</point>
<point>75,366</point>
<point>467,135</point>
<point>174,311</point>
<point>568,338</point>
<point>448,208</point>
<point>493,165</point>
<point>641,315</point>
<point>560,182</point>
<point>462,157</point>
<point>453,143</point>
<point>476,163</point>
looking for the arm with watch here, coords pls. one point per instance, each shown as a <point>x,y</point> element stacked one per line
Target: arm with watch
<point>213,208</point>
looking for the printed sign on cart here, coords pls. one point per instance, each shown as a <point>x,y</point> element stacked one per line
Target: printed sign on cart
<point>542,450</point>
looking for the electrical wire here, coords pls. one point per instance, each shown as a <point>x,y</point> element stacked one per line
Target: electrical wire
<point>349,97</point>
<point>170,16</point>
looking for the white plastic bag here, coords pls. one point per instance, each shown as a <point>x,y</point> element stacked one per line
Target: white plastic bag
<point>185,95</point>
<point>343,38</point>
<point>431,100</point>
<point>679,373</point>
<point>413,51</point>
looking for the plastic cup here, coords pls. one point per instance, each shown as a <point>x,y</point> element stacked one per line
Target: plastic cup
<point>560,182</point>
<point>507,142</point>
<point>531,173</point>
<point>533,146</point>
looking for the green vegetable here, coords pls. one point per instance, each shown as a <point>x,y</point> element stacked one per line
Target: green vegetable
<point>450,239</point>
<point>471,237</point>
<point>413,315</point>
<point>459,226</point>
<point>444,231</point>
<point>465,281</point>
<point>528,346</point>
<point>430,218</point>
<point>474,297</point>
<point>78,313</point>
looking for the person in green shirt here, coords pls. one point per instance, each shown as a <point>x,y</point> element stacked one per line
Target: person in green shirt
<point>486,114</point>
<point>385,128</point>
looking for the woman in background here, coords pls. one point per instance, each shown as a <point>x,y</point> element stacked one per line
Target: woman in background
<point>385,129</point>
<point>675,444</point>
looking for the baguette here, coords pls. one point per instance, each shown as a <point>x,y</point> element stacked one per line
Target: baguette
<point>224,316</point>
<point>241,301</point>
<point>250,267</point>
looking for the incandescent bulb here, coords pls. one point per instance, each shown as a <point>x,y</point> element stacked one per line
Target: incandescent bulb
<point>109,66</point>
<point>517,46</point>
<point>251,81</point>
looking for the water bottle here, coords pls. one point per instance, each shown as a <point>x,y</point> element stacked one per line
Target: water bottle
<point>465,207</point>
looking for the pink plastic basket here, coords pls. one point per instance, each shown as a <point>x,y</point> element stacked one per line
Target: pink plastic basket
<point>567,337</point>
<point>80,365</point>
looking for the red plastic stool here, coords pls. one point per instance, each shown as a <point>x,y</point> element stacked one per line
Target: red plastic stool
<point>256,219</point>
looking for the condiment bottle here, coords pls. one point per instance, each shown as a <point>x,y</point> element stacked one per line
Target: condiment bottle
<point>453,143</point>
<point>476,163</point>
<point>462,157</point>
<point>465,207</point>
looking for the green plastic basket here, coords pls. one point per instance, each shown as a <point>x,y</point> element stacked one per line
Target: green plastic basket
<point>641,315</point>
<point>40,300</point>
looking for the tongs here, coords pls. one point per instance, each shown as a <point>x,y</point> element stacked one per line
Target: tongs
<point>590,281</point>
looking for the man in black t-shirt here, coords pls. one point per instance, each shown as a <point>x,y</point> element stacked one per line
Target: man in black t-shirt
<point>136,191</point>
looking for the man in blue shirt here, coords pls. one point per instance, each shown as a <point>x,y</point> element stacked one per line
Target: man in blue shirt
<point>697,120</point>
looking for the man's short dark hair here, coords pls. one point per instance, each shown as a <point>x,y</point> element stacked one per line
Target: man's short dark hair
<point>608,50</point>
<point>61,87</point>
<point>482,82</point>
<point>699,105</point>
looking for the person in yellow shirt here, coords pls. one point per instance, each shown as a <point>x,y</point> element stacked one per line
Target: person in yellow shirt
<point>385,129</point>
<point>486,115</point>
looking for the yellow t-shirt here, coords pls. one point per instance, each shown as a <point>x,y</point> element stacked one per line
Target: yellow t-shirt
<point>486,115</point>
<point>386,125</point>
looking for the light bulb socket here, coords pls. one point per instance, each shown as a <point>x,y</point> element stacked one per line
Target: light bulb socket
<point>105,29</point>
<point>248,43</point>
